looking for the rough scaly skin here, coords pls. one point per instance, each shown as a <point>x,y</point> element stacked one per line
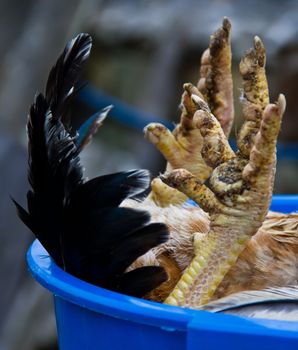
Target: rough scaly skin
<point>237,201</point>
<point>255,94</point>
<point>215,81</point>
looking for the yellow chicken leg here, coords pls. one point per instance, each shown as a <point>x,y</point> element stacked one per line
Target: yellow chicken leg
<point>237,200</point>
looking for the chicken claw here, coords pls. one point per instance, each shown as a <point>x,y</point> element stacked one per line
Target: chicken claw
<point>237,200</point>
<point>182,148</point>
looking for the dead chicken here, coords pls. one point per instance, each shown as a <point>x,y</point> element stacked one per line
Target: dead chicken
<point>226,250</point>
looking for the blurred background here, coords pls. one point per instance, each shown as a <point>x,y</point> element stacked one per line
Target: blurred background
<point>142,54</point>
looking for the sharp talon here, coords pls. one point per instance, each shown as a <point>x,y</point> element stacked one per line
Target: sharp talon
<point>191,89</point>
<point>201,104</point>
<point>188,88</point>
<point>258,44</point>
<point>260,51</point>
<point>281,102</point>
<point>226,24</point>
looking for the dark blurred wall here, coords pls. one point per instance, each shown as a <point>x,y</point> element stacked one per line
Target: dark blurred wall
<point>32,33</point>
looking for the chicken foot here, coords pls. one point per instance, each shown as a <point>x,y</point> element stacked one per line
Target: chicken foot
<point>182,147</point>
<point>237,200</point>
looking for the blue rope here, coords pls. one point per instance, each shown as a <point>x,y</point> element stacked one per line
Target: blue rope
<point>136,119</point>
<point>121,112</point>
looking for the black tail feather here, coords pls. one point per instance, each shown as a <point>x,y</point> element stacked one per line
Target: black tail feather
<point>96,193</point>
<point>141,281</point>
<point>89,128</point>
<point>65,74</point>
<point>80,223</point>
<point>24,216</point>
<point>136,244</point>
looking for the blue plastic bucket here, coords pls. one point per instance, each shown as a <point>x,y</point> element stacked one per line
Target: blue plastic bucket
<point>93,318</point>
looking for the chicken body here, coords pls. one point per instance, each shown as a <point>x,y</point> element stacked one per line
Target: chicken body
<point>270,258</point>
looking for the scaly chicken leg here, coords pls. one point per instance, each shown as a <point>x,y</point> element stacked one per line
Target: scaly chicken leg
<point>237,200</point>
<point>251,269</point>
